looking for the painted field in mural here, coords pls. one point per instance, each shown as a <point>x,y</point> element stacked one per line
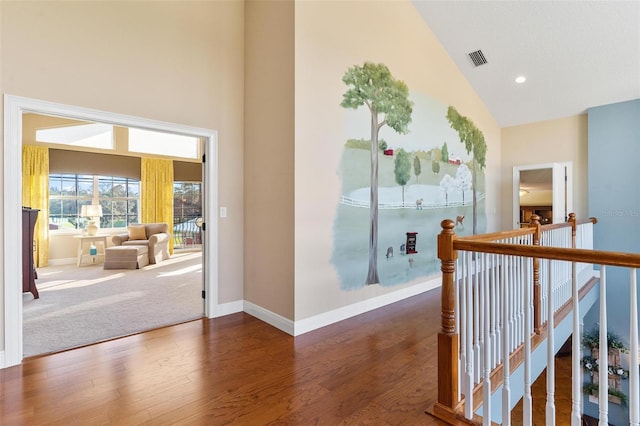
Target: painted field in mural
<point>416,177</point>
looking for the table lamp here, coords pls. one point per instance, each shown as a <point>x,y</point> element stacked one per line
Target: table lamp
<point>94,213</point>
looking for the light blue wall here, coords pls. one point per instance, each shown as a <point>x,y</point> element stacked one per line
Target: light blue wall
<point>614,199</point>
<point>614,175</point>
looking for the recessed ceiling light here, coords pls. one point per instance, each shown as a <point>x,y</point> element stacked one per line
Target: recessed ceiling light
<point>521,79</point>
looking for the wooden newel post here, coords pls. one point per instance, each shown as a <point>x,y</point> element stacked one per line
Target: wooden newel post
<point>447,338</point>
<point>537,290</point>
<point>574,229</point>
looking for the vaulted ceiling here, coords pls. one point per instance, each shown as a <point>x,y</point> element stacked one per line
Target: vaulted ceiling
<point>574,54</point>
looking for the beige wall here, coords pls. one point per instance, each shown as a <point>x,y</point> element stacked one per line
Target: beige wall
<point>268,156</point>
<point>179,62</point>
<point>560,140</point>
<point>330,38</point>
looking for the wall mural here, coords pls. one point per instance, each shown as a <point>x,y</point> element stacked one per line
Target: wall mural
<point>408,163</point>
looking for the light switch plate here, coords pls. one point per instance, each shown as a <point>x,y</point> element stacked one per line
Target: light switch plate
<point>223,212</point>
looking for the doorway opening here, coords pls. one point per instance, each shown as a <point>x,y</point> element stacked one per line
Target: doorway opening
<point>542,189</point>
<point>15,107</point>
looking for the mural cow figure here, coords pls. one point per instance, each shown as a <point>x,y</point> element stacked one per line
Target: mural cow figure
<point>459,220</point>
<point>419,204</point>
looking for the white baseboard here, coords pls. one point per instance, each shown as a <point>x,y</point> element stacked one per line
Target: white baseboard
<point>318,321</point>
<point>269,317</point>
<point>321,320</point>
<point>228,308</point>
<point>64,261</point>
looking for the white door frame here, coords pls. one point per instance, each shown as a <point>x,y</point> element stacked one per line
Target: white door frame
<point>562,189</point>
<point>14,107</point>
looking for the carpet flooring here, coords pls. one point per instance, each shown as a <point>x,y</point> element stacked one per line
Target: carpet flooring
<point>87,304</point>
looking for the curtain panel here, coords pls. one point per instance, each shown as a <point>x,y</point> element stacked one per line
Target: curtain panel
<point>157,193</point>
<point>35,194</point>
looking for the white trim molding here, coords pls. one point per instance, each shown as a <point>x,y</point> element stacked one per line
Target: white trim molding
<point>14,107</point>
<point>296,328</point>
<point>321,320</point>
<point>269,317</point>
<point>228,308</point>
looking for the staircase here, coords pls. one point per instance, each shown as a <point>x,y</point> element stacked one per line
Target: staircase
<point>509,302</point>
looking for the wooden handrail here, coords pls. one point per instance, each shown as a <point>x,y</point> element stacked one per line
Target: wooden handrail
<point>448,405</point>
<point>595,257</point>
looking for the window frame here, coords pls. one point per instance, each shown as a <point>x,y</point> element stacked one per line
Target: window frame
<point>94,198</point>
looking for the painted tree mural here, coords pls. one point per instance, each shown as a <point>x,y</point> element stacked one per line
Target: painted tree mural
<point>445,153</point>
<point>463,179</point>
<point>402,169</point>
<point>417,167</point>
<point>474,142</point>
<point>388,102</point>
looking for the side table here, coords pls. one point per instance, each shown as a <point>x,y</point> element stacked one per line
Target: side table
<point>85,241</point>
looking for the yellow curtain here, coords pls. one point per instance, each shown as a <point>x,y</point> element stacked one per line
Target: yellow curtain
<point>157,193</point>
<point>35,194</point>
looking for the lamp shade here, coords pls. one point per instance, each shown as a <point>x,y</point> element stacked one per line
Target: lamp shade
<point>93,210</point>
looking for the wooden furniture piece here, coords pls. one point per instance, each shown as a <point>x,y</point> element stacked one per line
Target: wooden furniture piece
<point>29,274</point>
<point>545,213</point>
<point>84,242</point>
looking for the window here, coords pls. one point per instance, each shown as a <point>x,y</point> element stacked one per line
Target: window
<point>151,142</point>
<point>118,196</point>
<point>93,135</point>
<point>187,201</point>
<point>187,214</point>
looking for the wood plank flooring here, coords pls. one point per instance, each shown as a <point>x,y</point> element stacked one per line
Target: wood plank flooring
<point>377,368</point>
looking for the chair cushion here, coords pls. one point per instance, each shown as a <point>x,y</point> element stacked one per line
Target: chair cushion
<point>137,232</point>
<point>155,228</point>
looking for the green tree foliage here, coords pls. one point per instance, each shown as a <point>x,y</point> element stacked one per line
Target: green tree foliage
<point>364,144</point>
<point>387,99</point>
<point>358,144</point>
<point>436,154</point>
<point>423,155</point>
<point>417,167</point>
<point>445,153</point>
<point>473,140</point>
<point>435,167</point>
<point>402,169</point>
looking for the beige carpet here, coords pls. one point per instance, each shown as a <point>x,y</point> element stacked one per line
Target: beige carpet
<point>80,306</point>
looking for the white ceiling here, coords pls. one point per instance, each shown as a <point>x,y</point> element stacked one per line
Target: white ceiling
<point>575,54</point>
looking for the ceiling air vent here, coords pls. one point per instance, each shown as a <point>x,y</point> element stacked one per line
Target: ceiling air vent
<point>477,58</point>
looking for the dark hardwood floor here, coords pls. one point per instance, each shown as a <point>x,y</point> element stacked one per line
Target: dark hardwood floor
<point>377,368</point>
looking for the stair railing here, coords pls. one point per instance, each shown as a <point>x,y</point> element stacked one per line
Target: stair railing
<point>498,294</point>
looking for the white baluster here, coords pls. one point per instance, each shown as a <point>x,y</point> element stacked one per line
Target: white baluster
<point>526,398</point>
<point>576,371</point>
<point>634,380</point>
<point>514,304</point>
<point>603,366</point>
<point>476,317</point>
<point>486,386</point>
<point>551,364</point>
<point>506,386</point>
<point>460,322</point>
<point>468,405</point>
